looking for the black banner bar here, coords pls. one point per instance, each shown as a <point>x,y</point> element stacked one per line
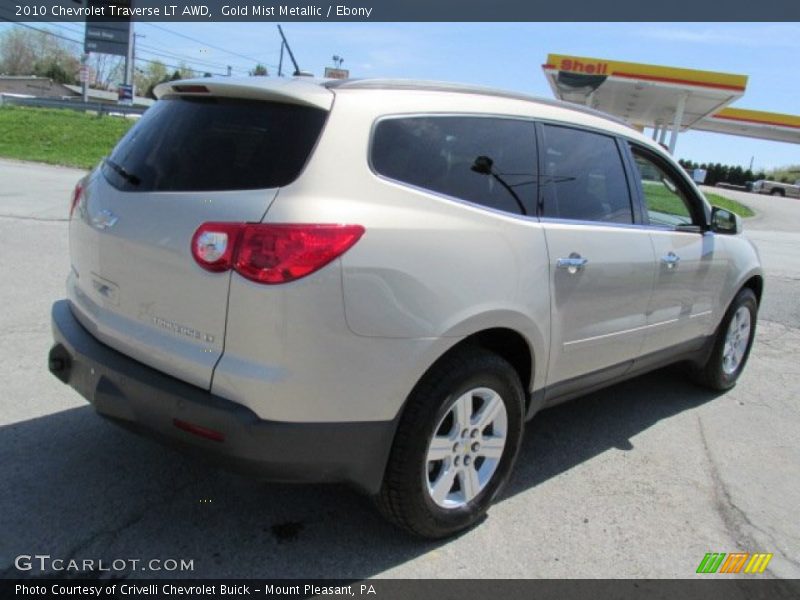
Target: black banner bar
<point>704,587</point>
<point>409,10</point>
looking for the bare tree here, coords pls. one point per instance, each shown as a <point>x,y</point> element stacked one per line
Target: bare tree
<point>27,52</point>
<point>106,70</point>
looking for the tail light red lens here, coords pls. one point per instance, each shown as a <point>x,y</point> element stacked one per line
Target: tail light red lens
<point>281,253</point>
<point>271,253</point>
<point>76,197</point>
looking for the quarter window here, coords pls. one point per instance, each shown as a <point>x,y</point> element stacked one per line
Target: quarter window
<point>584,178</point>
<point>665,203</point>
<point>488,161</point>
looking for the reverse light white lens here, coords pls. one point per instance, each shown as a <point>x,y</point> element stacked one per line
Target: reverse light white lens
<point>211,245</point>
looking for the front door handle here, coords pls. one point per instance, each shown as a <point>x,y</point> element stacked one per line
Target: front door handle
<point>671,260</point>
<point>573,264</point>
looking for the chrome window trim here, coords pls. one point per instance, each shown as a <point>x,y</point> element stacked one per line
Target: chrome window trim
<point>455,199</point>
<point>445,87</point>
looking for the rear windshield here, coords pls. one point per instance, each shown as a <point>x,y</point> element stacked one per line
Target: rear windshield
<point>208,144</point>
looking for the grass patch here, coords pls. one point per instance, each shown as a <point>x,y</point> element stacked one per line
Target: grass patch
<point>660,199</point>
<point>58,137</point>
<point>732,205</point>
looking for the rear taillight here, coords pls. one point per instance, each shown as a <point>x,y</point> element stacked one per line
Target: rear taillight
<point>76,197</point>
<point>271,253</point>
<point>281,253</point>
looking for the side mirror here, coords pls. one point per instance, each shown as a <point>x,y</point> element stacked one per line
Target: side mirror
<point>725,222</point>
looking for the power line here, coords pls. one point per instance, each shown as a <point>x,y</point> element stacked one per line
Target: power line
<point>249,58</point>
<point>176,67</point>
<point>43,21</point>
<point>78,31</point>
<point>63,37</point>
<point>168,54</point>
<point>189,63</point>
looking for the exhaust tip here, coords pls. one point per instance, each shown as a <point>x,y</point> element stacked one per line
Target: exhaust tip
<point>60,362</point>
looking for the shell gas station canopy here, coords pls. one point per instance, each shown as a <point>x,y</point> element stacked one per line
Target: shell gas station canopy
<point>666,99</point>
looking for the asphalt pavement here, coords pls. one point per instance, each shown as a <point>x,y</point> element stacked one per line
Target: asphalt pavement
<point>638,480</point>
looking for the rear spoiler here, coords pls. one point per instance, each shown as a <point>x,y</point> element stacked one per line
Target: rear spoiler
<point>306,92</point>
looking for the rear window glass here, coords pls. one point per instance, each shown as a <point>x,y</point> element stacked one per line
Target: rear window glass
<point>208,144</point>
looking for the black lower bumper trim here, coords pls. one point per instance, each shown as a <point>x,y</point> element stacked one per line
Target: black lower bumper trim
<point>150,402</point>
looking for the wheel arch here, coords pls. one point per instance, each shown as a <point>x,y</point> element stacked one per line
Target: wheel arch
<point>508,343</point>
<point>755,283</point>
<point>517,348</point>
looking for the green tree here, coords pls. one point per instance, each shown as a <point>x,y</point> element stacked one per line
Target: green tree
<point>146,79</point>
<point>259,71</point>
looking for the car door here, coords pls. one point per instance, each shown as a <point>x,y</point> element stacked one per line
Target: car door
<point>601,261</point>
<point>689,268</point>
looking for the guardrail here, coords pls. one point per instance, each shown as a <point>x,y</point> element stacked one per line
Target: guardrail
<point>100,108</point>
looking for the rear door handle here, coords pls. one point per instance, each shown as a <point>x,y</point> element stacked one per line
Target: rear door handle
<point>574,263</point>
<point>671,260</point>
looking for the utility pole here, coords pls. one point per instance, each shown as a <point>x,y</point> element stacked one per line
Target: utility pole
<point>129,56</point>
<point>230,70</point>
<point>133,59</point>
<point>289,50</point>
<point>84,77</point>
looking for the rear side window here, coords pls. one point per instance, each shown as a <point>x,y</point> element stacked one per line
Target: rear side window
<point>584,177</point>
<point>209,144</point>
<point>488,161</point>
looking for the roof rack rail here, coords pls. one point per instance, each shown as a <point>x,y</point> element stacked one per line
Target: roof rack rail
<point>444,86</point>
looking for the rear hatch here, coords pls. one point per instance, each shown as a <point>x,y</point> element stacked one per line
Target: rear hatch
<point>205,155</point>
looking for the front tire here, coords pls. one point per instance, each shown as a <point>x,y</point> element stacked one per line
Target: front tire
<point>455,446</point>
<point>732,345</point>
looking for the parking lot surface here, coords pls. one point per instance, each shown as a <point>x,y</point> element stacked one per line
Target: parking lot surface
<point>638,480</point>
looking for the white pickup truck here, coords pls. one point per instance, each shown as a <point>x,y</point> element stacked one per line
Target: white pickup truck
<point>776,188</point>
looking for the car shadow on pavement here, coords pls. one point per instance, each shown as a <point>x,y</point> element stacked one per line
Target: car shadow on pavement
<point>75,486</point>
<point>567,435</point>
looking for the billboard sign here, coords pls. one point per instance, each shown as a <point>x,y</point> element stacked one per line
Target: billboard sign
<point>332,73</point>
<point>107,35</point>
<point>125,94</point>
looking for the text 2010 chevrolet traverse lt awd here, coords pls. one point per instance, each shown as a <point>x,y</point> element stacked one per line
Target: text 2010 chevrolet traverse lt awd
<point>380,282</point>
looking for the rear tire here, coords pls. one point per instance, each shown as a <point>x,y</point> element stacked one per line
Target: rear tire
<point>456,444</point>
<point>732,344</point>
<point>777,192</point>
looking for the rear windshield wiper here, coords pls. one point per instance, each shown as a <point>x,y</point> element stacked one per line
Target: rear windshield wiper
<point>120,170</point>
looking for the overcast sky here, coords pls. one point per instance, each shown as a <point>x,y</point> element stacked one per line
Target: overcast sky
<point>510,55</point>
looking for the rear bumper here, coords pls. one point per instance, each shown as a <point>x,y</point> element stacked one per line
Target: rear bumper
<point>154,404</point>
